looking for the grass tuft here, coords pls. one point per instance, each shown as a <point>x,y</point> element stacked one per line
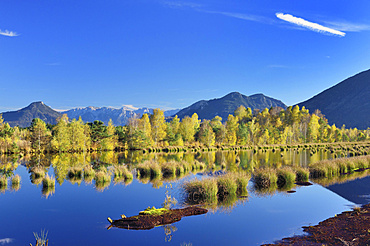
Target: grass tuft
<point>264,178</point>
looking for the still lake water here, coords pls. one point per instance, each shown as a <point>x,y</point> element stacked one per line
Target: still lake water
<point>76,212</point>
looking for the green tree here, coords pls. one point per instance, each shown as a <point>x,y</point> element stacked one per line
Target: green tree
<point>231,128</point>
<point>187,129</point>
<point>40,135</point>
<point>61,141</point>
<point>158,125</point>
<point>313,128</point>
<point>206,134</point>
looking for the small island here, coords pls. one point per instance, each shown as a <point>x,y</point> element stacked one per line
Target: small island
<point>152,217</point>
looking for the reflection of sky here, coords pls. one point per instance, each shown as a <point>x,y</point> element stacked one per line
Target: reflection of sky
<point>77,215</point>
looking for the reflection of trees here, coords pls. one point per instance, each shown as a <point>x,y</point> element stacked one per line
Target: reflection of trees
<point>168,230</point>
<point>48,191</point>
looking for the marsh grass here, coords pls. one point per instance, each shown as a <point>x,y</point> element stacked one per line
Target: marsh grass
<point>75,172</point>
<point>302,174</point>
<point>148,169</point>
<point>122,173</point>
<point>285,178</point>
<point>200,191</point>
<point>102,180</point>
<point>169,170</point>
<point>48,181</point>
<point>336,167</point>
<point>37,175</point>
<point>16,182</point>
<point>3,183</point>
<point>265,178</point>
<point>226,185</point>
<point>222,190</point>
<point>89,173</point>
<point>198,166</point>
<point>242,180</point>
<point>47,191</point>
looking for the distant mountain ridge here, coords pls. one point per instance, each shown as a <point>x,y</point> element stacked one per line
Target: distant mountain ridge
<point>347,102</point>
<point>228,104</point>
<point>104,114</point>
<point>24,116</point>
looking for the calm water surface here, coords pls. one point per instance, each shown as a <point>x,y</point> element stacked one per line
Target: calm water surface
<point>76,213</point>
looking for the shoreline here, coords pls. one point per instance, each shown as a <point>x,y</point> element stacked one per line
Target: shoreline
<point>347,228</point>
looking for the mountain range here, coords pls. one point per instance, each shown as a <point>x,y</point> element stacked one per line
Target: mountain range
<point>119,117</point>
<point>228,104</point>
<point>24,116</point>
<point>347,102</point>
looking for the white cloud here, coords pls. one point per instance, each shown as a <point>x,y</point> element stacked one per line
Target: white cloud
<point>6,240</point>
<point>8,33</point>
<point>310,25</point>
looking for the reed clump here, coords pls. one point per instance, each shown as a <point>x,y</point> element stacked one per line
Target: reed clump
<point>302,174</point>
<point>75,172</point>
<point>201,191</point>
<point>48,181</point>
<point>122,173</point>
<point>217,189</point>
<point>336,167</point>
<point>264,178</point>
<point>89,173</point>
<point>102,177</point>
<point>169,169</point>
<point>226,185</point>
<point>286,177</point>
<point>3,182</point>
<point>198,166</point>
<point>16,182</point>
<point>148,169</point>
<point>37,172</point>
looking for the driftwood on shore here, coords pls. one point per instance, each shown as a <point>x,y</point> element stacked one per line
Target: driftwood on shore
<point>149,221</point>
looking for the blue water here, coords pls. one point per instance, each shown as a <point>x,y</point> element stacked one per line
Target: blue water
<point>77,215</point>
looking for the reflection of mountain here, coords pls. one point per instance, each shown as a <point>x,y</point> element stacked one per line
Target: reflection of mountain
<point>356,191</point>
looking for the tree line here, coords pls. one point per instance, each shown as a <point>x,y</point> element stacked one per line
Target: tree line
<point>244,127</point>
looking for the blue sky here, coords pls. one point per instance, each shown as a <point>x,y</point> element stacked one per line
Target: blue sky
<point>170,54</point>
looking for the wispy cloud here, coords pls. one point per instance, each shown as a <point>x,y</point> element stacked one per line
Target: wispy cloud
<point>310,25</point>
<point>8,33</point>
<point>248,17</point>
<point>347,26</point>
<point>181,4</point>
<point>53,64</point>
<point>200,8</point>
<point>6,240</point>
